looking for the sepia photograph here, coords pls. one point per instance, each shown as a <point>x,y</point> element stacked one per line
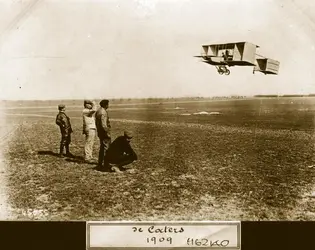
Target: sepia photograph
<point>157,110</point>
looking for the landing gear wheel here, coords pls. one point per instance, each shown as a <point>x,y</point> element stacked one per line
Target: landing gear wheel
<point>221,70</point>
<point>227,72</point>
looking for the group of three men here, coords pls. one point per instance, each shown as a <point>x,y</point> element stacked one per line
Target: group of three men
<point>112,155</point>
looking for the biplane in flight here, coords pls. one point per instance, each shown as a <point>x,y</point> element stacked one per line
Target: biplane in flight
<point>226,55</point>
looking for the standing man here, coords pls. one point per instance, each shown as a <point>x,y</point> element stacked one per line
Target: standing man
<point>103,133</point>
<point>63,121</point>
<point>89,129</point>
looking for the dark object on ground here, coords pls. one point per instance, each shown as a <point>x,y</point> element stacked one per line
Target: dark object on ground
<point>120,153</point>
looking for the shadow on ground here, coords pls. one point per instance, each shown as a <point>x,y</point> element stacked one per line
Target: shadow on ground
<point>48,152</point>
<point>80,160</point>
<point>77,159</point>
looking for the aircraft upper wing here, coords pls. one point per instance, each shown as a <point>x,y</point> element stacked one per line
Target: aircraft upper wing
<point>206,56</point>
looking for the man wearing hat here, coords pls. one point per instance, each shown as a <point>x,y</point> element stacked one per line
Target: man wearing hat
<point>63,121</point>
<point>89,128</point>
<point>120,152</point>
<point>103,132</point>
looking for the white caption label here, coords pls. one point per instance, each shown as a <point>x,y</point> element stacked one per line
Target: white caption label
<point>163,234</point>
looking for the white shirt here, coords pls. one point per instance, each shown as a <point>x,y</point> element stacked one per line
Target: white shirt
<point>89,118</point>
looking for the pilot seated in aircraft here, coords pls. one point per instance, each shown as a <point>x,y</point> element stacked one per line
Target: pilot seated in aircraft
<point>226,55</point>
<point>120,152</point>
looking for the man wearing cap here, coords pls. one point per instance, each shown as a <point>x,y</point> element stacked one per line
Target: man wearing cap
<point>63,121</point>
<point>103,132</point>
<point>120,152</point>
<point>89,128</point>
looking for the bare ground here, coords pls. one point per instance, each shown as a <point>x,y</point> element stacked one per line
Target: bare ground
<point>195,170</point>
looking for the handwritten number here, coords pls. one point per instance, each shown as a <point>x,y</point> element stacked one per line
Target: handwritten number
<point>189,241</point>
<point>169,239</point>
<point>204,242</point>
<point>227,242</point>
<point>156,240</point>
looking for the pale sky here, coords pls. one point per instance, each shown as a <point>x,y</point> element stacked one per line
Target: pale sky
<point>58,49</point>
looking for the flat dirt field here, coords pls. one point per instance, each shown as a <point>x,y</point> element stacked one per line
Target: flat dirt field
<point>252,160</point>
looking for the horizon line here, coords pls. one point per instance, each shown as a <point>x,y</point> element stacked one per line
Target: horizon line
<point>158,98</point>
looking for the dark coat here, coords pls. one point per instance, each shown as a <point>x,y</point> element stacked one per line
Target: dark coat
<point>102,123</point>
<point>119,148</point>
<point>63,121</point>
